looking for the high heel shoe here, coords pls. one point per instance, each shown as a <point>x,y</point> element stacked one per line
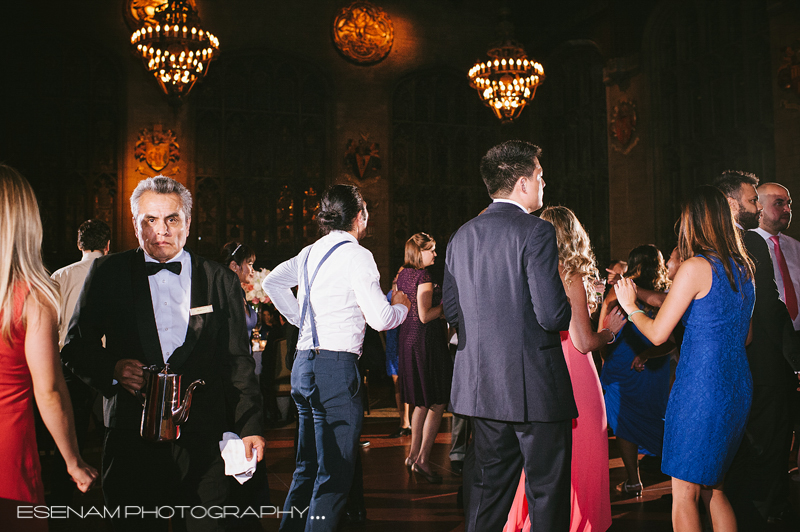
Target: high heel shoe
<point>409,465</point>
<point>634,490</point>
<point>433,478</point>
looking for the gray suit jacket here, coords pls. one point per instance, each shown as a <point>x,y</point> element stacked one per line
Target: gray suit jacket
<point>502,291</point>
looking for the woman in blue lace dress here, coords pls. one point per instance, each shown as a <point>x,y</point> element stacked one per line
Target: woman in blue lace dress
<point>636,399</point>
<point>714,294</point>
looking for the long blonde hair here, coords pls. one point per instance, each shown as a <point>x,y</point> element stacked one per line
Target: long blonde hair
<point>574,250</point>
<point>21,249</point>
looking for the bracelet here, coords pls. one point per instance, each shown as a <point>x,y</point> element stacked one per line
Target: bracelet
<point>613,336</point>
<point>632,313</point>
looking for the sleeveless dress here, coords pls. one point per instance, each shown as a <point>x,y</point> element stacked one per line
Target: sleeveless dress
<point>425,368</point>
<point>20,472</point>
<point>713,389</point>
<point>590,503</point>
<point>636,402</point>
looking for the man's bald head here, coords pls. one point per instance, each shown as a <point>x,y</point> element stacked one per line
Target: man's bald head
<point>777,202</point>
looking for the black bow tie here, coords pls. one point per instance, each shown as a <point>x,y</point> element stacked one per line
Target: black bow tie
<point>155,267</point>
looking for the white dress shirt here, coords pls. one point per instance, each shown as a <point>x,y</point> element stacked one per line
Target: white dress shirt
<point>791,252</point>
<point>172,301</point>
<point>70,283</point>
<point>345,295</point>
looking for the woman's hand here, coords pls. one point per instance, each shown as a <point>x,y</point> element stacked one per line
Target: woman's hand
<point>613,277</point>
<point>638,363</point>
<point>626,294</point>
<point>83,475</point>
<point>614,321</point>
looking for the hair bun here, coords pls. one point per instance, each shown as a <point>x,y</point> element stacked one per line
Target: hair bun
<point>329,216</point>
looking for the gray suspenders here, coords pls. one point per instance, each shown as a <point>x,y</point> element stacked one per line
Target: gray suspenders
<point>307,302</point>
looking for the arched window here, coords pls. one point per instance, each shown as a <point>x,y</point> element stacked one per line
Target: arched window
<point>568,120</point>
<point>440,131</point>
<point>261,135</point>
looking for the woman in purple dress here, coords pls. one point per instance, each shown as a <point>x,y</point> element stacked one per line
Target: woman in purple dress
<point>425,368</point>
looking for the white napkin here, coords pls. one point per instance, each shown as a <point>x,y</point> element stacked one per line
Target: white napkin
<point>236,464</point>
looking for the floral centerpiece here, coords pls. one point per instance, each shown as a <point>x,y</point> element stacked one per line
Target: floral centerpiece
<point>254,294</point>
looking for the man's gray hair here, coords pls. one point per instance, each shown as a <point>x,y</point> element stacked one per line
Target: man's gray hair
<point>161,185</point>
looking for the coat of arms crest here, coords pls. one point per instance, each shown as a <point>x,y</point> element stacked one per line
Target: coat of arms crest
<point>157,149</point>
<point>622,128</point>
<point>363,158</point>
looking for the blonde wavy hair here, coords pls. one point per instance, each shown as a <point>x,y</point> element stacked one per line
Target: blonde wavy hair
<point>575,253</point>
<point>21,249</point>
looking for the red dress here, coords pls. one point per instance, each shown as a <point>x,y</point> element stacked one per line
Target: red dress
<point>20,473</point>
<point>590,502</point>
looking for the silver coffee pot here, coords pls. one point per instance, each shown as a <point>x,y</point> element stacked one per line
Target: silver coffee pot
<point>163,411</point>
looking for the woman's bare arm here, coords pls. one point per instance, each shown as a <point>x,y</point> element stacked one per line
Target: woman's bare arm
<point>692,280</point>
<point>580,326</point>
<point>424,301</point>
<point>50,389</point>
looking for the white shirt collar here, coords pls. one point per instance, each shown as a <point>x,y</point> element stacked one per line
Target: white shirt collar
<point>176,258</point>
<point>506,200</point>
<point>91,255</point>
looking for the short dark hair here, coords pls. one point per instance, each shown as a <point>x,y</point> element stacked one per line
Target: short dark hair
<point>93,235</point>
<point>338,208</point>
<point>504,164</point>
<point>730,183</point>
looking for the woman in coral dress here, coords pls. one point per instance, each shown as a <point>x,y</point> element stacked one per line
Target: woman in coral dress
<point>30,366</point>
<point>589,498</point>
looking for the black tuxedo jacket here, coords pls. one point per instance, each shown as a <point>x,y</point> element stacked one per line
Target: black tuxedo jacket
<point>774,352</point>
<point>116,303</point>
<point>502,290</point>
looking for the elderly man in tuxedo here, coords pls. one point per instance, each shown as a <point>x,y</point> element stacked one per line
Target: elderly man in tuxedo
<point>155,305</point>
<point>503,293</point>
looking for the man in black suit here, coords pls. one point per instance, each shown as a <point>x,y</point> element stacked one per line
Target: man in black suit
<point>154,305</point>
<point>502,291</point>
<point>756,481</point>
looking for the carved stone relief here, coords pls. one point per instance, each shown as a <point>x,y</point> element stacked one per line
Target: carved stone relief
<point>363,32</point>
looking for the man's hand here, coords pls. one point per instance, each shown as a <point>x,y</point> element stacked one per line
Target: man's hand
<point>129,374</point>
<point>254,443</point>
<point>399,298</point>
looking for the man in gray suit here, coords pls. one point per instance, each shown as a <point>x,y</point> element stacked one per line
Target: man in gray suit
<point>502,291</point>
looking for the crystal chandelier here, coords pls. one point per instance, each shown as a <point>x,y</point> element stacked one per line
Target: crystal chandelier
<point>508,80</point>
<point>176,50</point>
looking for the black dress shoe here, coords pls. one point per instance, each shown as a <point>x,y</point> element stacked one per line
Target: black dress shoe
<point>364,443</point>
<point>400,432</point>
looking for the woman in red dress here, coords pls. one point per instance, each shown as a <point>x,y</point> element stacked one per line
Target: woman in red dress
<point>30,366</point>
<point>590,502</point>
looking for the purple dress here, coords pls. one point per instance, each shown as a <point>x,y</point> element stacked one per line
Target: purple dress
<point>425,369</point>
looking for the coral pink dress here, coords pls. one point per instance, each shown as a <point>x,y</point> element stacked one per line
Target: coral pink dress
<point>20,473</point>
<point>590,501</point>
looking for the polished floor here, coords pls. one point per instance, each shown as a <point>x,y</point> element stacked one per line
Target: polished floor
<point>397,502</point>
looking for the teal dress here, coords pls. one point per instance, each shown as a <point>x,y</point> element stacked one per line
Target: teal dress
<point>710,400</point>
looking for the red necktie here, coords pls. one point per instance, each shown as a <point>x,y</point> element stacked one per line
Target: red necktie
<point>788,287</point>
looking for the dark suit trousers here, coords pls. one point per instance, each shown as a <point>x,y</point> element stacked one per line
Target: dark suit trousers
<point>162,476</point>
<point>326,387</point>
<point>756,483</point>
<point>502,449</point>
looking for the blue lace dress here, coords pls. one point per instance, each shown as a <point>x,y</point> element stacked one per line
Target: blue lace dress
<point>635,401</point>
<point>710,400</point>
